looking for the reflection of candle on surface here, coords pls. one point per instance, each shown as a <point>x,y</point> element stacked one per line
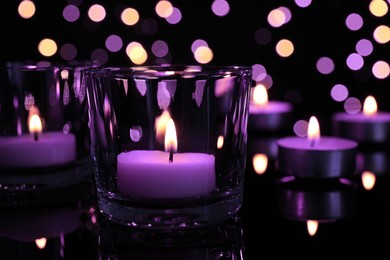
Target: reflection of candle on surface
<point>316,201</point>
<point>40,149</point>
<point>368,180</point>
<point>151,174</point>
<point>312,226</point>
<point>369,126</point>
<point>265,115</point>
<point>316,156</point>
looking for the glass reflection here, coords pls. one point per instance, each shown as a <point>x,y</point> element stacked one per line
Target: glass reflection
<point>219,241</point>
<point>316,201</point>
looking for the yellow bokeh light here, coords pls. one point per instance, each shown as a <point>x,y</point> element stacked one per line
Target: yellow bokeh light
<point>381,69</point>
<point>47,47</point>
<point>203,54</point>
<point>276,18</point>
<point>382,34</point>
<point>26,9</point>
<point>284,48</point>
<point>96,13</point>
<point>136,52</point>
<point>130,16</point>
<point>378,8</point>
<point>164,8</point>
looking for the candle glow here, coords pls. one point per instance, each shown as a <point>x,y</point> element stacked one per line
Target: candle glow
<point>260,95</point>
<point>368,180</point>
<point>35,124</point>
<point>370,106</point>
<point>312,227</point>
<point>260,163</point>
<point>170,137</point>
<point>313,130</point>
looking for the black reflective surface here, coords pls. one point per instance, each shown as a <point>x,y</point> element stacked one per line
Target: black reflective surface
<point>352,221</point>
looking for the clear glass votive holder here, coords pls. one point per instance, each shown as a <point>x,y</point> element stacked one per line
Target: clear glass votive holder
<point>169,142</point>
<point>44,134</point>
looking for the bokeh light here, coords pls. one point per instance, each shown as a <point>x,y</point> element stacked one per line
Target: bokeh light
<point>354,22</point>
<point>71,13</point>
<point>26,9</point>
<point>378,8</point>
<point>300,128</point>
<point>164,8</point>
<point>302,3</point>
<point>339,92</point>
<point>381,69</point>
<point>160,48</point>
<point>68,51</point>
<point>364,47</point>
<point>220,7</point>
<point>130,16</point>
<point>96,13</point>
<point>352,105</point>
<point>136,52</point>
<point>284,48</point>
<point>382,34</point>
<point>47,47</point>
<point>203,54</point>
<point>175,17</point>
<point>325,65</point>
<point>355,61</point>
<point>114,43</point>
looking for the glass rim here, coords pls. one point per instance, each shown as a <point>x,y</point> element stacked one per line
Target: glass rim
<point>168,70</point>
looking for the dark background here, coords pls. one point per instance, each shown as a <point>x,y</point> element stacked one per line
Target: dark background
<point>316,31</point>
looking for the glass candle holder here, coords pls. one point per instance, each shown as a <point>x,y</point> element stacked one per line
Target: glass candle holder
<point>44,135</point>
<point>169,142</point>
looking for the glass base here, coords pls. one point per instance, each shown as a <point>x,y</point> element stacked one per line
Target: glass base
<point>182,215</point>
<point>222,240</point>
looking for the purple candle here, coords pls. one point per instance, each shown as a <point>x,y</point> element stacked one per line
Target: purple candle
<point>315,156</point>
<point>265,115</point>
<point>369,126</point>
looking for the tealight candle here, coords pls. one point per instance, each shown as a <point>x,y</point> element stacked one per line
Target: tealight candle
<point>265,115</point>
<point>165,175</point>
<point>316,156</point>
<point>40,149</point>
<point>369,126</point>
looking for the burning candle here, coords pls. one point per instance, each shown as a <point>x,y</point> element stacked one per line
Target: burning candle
<point>265,115</point>
<point>316,156</point>
<point>39,149</point>
<point>165,175</point>
<point>369,126</point>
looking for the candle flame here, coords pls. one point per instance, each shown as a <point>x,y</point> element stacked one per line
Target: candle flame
<point>161,125</point>
<point>220,142</point>
<point>41,242</point>
<point>368,180</point>
<point>260,163</point>
<point>170,137</point>
<point>312,227</point>
<point>260,95</point>
<point>370,107</point>
<point>313,130</point>
<point>35,124</point>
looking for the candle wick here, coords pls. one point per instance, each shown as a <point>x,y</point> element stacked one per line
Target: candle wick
<point>171,156</point>
<point>35,136</point>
